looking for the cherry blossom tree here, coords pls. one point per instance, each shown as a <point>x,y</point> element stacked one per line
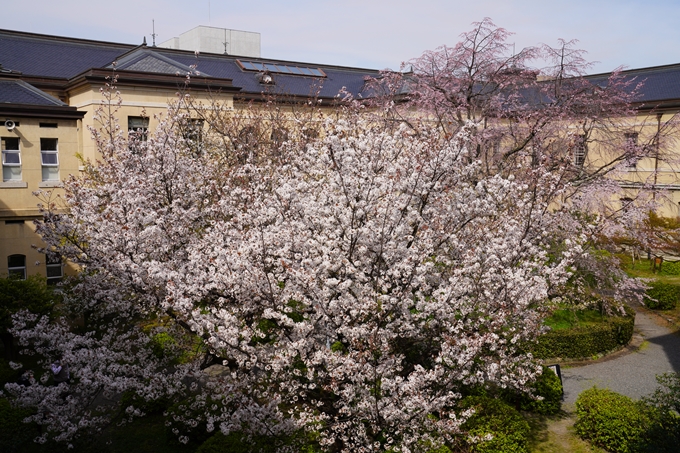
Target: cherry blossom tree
<point>585,130</point>
<point>346,274</point>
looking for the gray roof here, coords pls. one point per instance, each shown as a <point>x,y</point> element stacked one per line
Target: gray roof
<point>58,57</point>
<point>20,92</point>
<point>53,56</point>
<point>63,58</point>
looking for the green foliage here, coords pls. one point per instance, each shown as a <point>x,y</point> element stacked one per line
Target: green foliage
<point>621,425</point>
<point>32,294</point>
<point>163,343</point>
<point>7,374</point>
<point>493,416</point>
<point>610,420</point>
<point>667,396</point>
<point>586,341</point>
<point>549,387</point>
<point>670,268</point>
<point>662,296</point>
<point>15,435</point>
<point>237,442</point>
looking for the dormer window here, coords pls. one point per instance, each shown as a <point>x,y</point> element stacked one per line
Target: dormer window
<point>279,68</point>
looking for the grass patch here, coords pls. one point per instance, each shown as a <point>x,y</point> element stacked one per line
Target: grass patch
<point>555,434</point>
<point>568,319</point>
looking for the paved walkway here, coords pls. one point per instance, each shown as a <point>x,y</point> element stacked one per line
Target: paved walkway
<point>632,374</point>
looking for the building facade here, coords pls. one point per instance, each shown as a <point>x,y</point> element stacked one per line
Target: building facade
<point>50,90</point>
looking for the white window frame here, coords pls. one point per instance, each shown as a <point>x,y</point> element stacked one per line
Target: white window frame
<point>10,165</point>
<point>580,150</point>
<point>140,130</point>
<point>17,270</point>
<point>49,152</point>
<point>53,262</point>
<point>632,138</point>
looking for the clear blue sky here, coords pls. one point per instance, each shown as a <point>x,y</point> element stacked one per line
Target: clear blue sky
<point>372,34</point>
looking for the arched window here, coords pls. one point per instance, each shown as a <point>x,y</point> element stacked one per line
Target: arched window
<point>16,265</point>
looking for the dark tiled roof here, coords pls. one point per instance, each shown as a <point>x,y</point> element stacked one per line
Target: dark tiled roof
<point>148,60</point>
<point>659,83</point>
<point>58,57</point>
<point>226,67</point>
<point>19,92</point>
<point>52,56</point>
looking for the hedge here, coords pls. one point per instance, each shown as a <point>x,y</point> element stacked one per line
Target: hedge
<point>662,296</point>
<point>587,341</point>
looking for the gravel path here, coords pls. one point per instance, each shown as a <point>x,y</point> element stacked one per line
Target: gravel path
<point>632,374</point>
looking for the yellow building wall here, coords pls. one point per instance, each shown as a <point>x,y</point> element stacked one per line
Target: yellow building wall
<point>135,101</point>
<point>18,204</point>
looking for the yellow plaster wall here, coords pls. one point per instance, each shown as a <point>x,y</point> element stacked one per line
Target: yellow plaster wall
<point>17,202</point>
<point>135,101</point>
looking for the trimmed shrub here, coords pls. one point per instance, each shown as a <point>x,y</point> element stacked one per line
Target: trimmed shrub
<point>662,296</point>
<point>586,341</point>
<point>621,425</point>
<point>495,417</point>
<point>610,420</point>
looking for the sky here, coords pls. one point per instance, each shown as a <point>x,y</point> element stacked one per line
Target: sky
<point>369,33</point>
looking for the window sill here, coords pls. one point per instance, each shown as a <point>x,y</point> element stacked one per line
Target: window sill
<point>13,185</point>
<point>46,184</point>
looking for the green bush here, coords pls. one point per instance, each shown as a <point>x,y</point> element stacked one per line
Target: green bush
<point>585,341</point>
<point>15,435</point>
<point>7,374</point>
<point>662,296</point>
<point>621,425</point>
<point>493,416</point>
<point>547,386</point>
<point>670,268</point>
<point>610,420</point>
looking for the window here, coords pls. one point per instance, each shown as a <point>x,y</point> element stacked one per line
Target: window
<point>16,265</point>
<point>11,159</point>
<point>630,145</point>
<point>580,150</point>
<point>138,127</point>
<point>193,134</point>
<point>50,159</point>
<point>54,269</point>
<point>280,68</point>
